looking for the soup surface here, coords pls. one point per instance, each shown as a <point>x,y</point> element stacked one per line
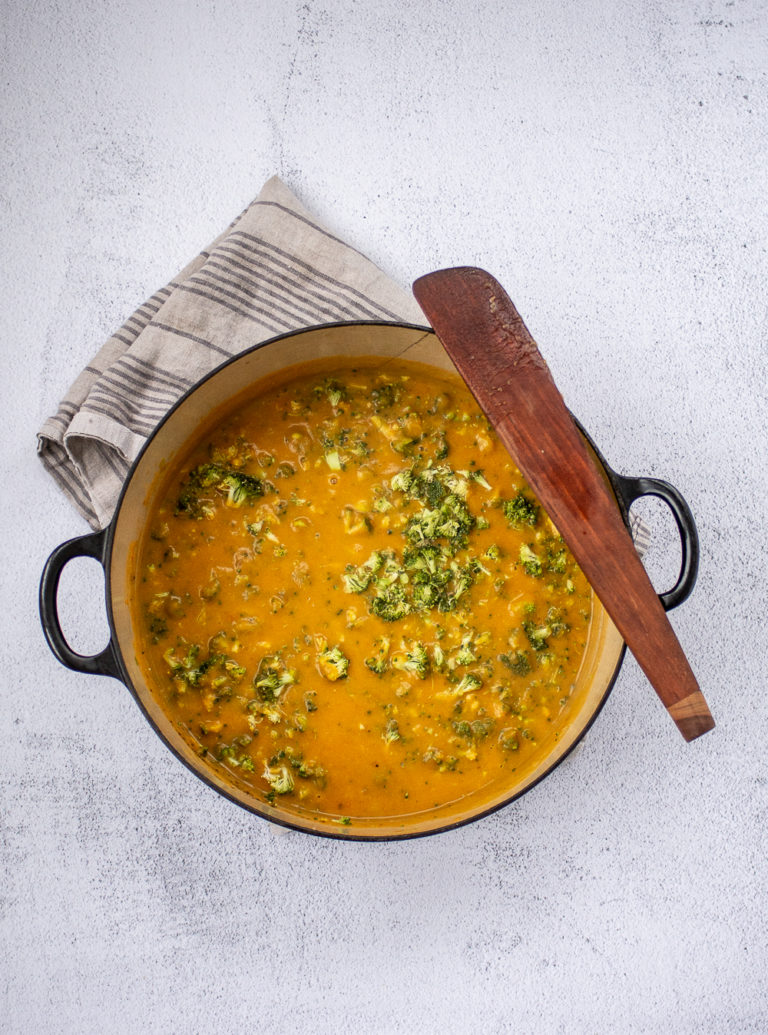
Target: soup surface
<point>350,600</point>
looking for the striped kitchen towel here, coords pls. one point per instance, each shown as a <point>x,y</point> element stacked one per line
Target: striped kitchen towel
<point>275,269</point>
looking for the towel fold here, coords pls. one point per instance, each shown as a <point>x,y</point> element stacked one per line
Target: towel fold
<point>274,269</point>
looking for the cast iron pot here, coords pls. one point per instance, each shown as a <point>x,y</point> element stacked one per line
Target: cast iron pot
<point>114,546</point>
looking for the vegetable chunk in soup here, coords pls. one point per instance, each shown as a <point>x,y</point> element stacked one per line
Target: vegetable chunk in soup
<point>351,601</point>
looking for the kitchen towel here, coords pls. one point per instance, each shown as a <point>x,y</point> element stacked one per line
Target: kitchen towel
<point>274,269</point>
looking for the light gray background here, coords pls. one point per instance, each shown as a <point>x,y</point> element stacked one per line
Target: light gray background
<point>607,161</point>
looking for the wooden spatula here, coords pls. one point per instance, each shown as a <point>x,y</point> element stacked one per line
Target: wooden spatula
<point>493,351</point>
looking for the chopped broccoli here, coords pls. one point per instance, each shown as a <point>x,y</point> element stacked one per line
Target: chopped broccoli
<point>557,556</point>
<point>356,581</point>
<point>390,603</point>
<point>378,662</point>
<point>384,396</point>
<point>530,562</point>
<point>468,684</point>
<point>333,664</point>
<point>509,740</point>
<point>195,500</point>
<point>479,477</point>
<point>443,762</point>
<point>451,520</point>
<point>240,488</point>
<point>517,663</point>
<point>417,661</point>
<point>476,730</point>
<point>537,635</point>
<point>272,678</point>
<point>464,655</point>
<point>333,390</point>
<point>279,779</point>
<point>555,622</point>
<point>391,731</point>
<point>403,480</point>
<point>520,511</point>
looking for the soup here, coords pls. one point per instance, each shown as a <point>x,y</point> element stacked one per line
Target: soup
<point>350,601</point>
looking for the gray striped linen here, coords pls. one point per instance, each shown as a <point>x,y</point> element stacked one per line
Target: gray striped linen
<point>274,269</point>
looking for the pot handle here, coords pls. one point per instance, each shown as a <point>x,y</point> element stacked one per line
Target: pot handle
<point>631,489</point>
<point>103,664</point>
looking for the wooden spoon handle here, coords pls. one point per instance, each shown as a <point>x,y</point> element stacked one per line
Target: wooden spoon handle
<point>500,362</point>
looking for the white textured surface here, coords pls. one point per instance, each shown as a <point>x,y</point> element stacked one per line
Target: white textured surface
<point>607,161</point>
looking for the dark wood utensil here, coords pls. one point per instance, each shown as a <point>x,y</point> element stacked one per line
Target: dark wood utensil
<point>493,351</point>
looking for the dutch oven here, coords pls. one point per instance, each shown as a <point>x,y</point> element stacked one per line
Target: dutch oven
<point>115,548</point>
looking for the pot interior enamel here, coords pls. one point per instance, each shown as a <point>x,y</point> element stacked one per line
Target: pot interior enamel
<point>172,439</point>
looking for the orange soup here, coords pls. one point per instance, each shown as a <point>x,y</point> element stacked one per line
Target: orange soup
<point>351,602</point>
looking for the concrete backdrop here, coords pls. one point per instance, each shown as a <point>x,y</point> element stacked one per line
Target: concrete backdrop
<point>607,161</point>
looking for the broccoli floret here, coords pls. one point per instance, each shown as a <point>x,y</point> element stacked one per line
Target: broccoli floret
<point>356,581</point>
<point>555,622</point>
<point>272,678</point>
<point>391,732</point>
<point>426,559</point>
<point>378,662</point>
<point>479,477</point>
<point>537,635</point>
<point>279,779</point>
<point>509,740</point>
<point>468,684</point>
<point>464,655</point>
<point>463,578</point>
<point>451,521</point>
<point>518,663</point>
<point>305,770</point>
<point>443,762</point>
<point>417,661</point>
<point>234,671</point>
<point>333,664</point>
<point>557,556</point>
<point>375,562</point>
<point>333,390</point>
<point>474,731</point>
<point>403,481</point>
<point>390,603</point>
<point>530,562</point>
<point>384,396</point>
<point>187,671</point>
<point>206,476</point>
<point>240,488</point>
<point>520,511</point>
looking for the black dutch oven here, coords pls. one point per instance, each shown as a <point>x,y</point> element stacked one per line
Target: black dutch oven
<point>115,548</point>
